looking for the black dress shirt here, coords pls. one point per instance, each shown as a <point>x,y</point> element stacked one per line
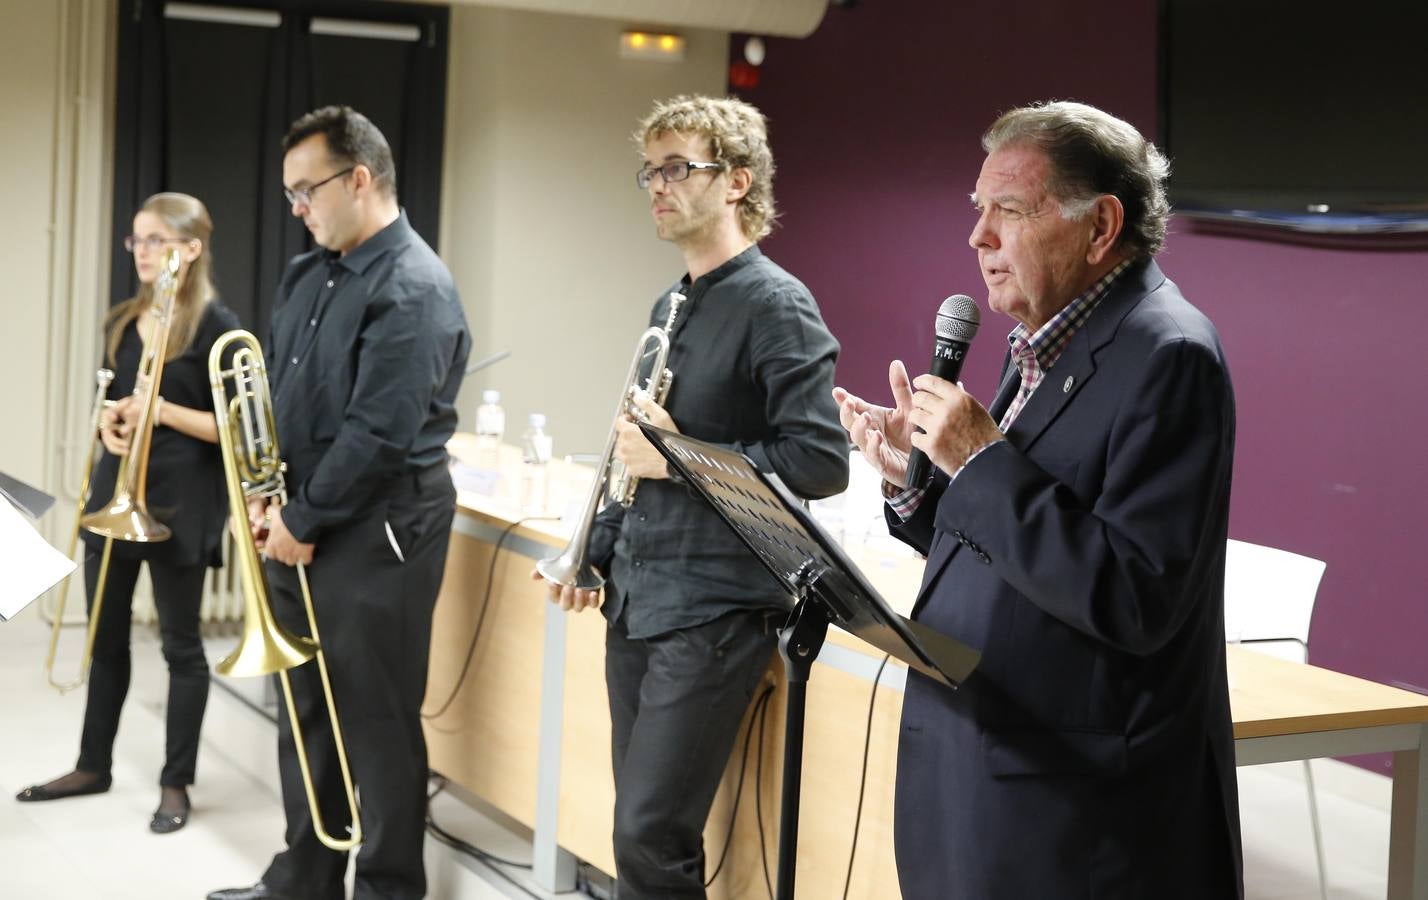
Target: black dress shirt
<point>367,353</point>
<point>185,484</point>
<point>753,372</point>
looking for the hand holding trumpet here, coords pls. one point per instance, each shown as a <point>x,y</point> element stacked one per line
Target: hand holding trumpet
<point>632,448</point>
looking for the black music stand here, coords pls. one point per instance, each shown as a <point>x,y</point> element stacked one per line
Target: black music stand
<point>827,589</point>
<point>27,498</point>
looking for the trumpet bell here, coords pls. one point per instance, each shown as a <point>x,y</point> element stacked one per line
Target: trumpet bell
<point>571,569</point>
<point>125,520</point>
<point>264,649</point>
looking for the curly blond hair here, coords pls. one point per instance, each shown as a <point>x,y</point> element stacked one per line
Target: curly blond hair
<point>738,138</point>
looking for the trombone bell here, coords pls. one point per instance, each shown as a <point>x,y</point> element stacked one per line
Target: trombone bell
<point>124,520</point>
<point>265,648</point>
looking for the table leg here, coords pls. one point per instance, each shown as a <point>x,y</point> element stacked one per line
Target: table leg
<point>552,866</point>
<point>1408,824</point>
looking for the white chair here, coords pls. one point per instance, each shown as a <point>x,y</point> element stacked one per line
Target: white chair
<point>1269,603</point>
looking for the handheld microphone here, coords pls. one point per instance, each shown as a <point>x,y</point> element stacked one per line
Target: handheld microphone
<point>957,321</point>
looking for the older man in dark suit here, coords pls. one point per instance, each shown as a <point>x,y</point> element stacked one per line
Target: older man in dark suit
<point>1076,536</point>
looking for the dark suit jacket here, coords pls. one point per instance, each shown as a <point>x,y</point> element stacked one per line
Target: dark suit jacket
<point>1091,754</point>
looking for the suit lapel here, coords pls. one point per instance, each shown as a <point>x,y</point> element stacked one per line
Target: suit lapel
<point>1006,390</point>
<point>1076,366</point>
<point>1058,386</point>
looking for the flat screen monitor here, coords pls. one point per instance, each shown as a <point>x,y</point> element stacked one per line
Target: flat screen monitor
<point>1309,112</point>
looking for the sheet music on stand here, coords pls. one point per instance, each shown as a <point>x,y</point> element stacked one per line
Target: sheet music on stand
<point>30,564</point>
<point>798,552</point>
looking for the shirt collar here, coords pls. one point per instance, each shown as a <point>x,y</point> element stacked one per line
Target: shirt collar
<point>1050,339</point>
<point>369,251</point>
<point>709,279</point>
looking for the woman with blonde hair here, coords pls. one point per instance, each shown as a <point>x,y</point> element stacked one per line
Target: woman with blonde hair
<point>185,492</point>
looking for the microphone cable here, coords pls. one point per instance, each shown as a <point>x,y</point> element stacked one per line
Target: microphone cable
<point>481,617</point>
<point>758,711</point>
<point>863,779</point>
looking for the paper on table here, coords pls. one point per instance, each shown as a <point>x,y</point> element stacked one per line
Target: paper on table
<point>30,564</point>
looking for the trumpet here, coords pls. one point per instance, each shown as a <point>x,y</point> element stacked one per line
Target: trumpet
<point>254,468</point>
<point>572,566</point>
<point>102,380</point>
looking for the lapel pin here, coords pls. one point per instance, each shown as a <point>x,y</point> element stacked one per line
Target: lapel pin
<point>1066,388</point>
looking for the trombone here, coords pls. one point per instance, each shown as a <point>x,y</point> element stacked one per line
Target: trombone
<point>126,517</point>
<point>572,566</point>
<point>253,468</point>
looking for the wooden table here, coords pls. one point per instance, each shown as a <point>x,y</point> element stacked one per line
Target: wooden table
<point>528,733</point>
<point>1286,711</point>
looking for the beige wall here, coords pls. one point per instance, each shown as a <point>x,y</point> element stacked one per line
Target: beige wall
<point>549,240</point>
<point>28,45</point>
<point>54,60</point>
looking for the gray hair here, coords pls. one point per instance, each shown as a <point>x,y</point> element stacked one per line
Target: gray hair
<point>1093,153</point>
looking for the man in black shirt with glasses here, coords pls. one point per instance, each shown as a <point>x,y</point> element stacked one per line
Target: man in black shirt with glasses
<point>692,614</point>
<point>367,352</point>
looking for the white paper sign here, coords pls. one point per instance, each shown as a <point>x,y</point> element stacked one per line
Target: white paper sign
<point>29,566</point>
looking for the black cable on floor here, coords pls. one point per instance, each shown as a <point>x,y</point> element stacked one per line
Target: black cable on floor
<point>863,779</point>
<point>470,849</point>
<point>451,840</point>
<point>758,707</point>
<point>490,859</point>
<point>481,617</point>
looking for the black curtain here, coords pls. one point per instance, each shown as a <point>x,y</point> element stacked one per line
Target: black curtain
<point>202,106</point>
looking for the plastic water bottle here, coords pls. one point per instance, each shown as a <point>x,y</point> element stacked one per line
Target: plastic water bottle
<point>490,428</point>
<point>535,457</point>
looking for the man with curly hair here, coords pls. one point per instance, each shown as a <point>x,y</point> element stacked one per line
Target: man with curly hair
<point>692,615</point>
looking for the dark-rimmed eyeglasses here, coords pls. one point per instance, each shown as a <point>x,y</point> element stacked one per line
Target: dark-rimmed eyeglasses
<point>151,243</point>
<point>304,195</point>
<point>670,172</point>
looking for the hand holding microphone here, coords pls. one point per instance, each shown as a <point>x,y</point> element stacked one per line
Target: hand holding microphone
<point>957,321</point>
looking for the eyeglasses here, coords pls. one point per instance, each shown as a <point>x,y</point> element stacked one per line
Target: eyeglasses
<point>304,195</point>
<point>671,172</point>
<point>132,242</point>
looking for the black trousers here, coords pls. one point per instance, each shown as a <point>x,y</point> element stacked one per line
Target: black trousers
<point>374,617</point>
<point>178,591</point>
<point>676,701</point>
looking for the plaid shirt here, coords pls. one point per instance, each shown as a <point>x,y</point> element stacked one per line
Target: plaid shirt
<point>1033,355</point>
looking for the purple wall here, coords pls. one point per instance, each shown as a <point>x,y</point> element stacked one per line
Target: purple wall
<point>875,123</point>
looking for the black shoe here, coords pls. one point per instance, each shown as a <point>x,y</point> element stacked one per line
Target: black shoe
<point>38,793</point>
<point>164,823</point>
<point>258,891</point>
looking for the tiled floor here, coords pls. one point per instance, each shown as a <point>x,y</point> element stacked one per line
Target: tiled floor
<point>100,847</point>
